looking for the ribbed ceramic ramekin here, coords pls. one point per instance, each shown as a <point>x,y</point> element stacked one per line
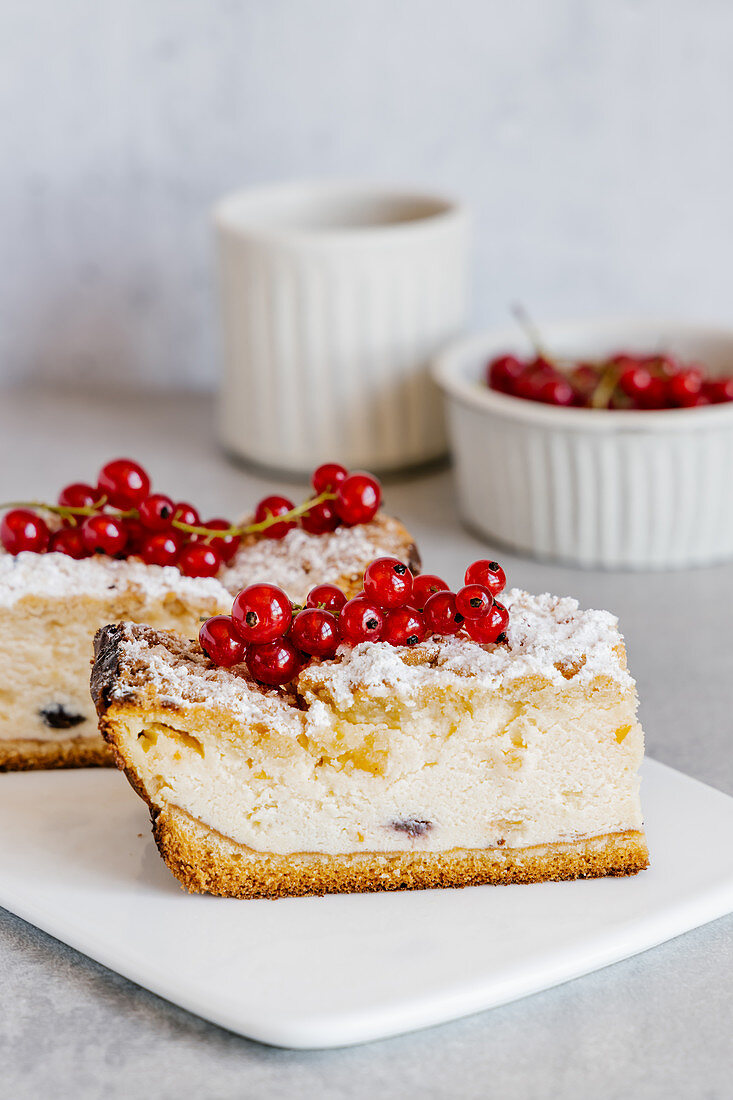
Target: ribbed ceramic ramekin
<point>334,299</point>
<point>616,489</point>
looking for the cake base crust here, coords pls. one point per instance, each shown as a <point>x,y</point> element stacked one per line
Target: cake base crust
<point>68,752</point>
<point>206,862</point>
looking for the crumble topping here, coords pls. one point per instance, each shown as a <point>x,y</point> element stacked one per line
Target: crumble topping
<point>547,635</point>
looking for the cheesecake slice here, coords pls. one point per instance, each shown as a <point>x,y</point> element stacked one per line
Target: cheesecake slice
<point>445,764</point>
<point>51,606</point>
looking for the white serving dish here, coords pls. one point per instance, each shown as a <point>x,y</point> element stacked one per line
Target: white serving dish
<point>335,297</point>
<point>77,859</point>
<point>616,489</point>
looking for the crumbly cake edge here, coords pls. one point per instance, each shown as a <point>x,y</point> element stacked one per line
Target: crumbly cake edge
<point>24,754</point>
<point>204,861</point>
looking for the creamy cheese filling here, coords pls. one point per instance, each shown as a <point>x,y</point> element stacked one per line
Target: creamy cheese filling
<point>474,772</point>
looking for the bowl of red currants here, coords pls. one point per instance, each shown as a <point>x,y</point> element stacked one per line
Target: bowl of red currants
<point>606,444</point>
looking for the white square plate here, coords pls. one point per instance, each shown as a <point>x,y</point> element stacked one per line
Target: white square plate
<point>77,860</point>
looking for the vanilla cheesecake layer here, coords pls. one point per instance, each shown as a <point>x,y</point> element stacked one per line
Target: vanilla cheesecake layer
<point>448,745</point>
<point>52,605</point>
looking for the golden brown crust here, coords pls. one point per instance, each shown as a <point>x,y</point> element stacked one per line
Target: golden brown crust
<point>70,752</point>
<point>204,861</point>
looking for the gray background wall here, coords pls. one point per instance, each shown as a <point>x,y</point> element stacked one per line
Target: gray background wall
<point>591,137</point>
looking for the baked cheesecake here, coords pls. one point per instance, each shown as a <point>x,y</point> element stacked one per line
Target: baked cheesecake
<point>51,605</point>
<point>445,762</point>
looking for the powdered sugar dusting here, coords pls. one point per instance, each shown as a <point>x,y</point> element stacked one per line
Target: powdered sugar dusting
<point>295,563</point>
<point>301,560</point>
<point>180,675</point>
<point>57,576</point>
<point>548,637</point>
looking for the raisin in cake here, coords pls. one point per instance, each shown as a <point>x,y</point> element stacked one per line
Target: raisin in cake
<point>51,605</point>
<point>446,764</point>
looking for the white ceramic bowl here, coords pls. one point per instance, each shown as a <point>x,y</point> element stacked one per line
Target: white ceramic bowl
<point>616,489</point>
<point>335,297</point>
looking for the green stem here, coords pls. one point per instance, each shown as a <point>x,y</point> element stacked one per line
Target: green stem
<point>531,331</point>
<point>63,509</point>
<point>256,528</point>
<point>602,394</point>
<point>207,532</point>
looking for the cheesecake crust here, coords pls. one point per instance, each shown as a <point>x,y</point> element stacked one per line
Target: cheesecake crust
<point>205,862</point>
<point>69,752</point>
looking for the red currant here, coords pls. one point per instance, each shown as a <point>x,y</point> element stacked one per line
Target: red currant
<point>531,382</point>
<point>261,613</point>
<point>635,380</point>
<point>490,626</point>
<point>488,573</point>
<point>357,499</point>
<point>320,519</point>
<point>124,482</point>
<point>198,560</point>
<point>685,387</point>
<point>69,541</point>
<point>136,535</point>
<point>328,596</point>
<point>78,495</point>
<point>226,545</point>
<point>156,512</point>
<point>474,601</point>
<point>403,626</point>
<point>664,364</point>
<point>24,530</point>
<point>275,506</point>
<point>220,641</point>
<point>162,548</point>
<point>656,396</point>
<point>441,614</point>
<point>423,587</point>
<point>328,477</point>
<point>584,379</point>
<point>316,632</point>
<point>503,373</point>
<point>361,621</point>
<point>104,534</point>
<point>719,390</point>
<point>274,663</point>
<point>388,582</point>
<point>557,391</point>
<point>186,513</point>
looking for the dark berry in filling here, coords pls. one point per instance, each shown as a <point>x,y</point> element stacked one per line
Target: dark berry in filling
<point>59,718</point>
<point>412,826</point>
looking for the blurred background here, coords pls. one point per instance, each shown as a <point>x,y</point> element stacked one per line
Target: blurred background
<point>592,141</point>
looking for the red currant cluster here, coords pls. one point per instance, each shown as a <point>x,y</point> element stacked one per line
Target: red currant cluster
<point>277,639</point>
<point>623,381</point>
<point>121,518</point>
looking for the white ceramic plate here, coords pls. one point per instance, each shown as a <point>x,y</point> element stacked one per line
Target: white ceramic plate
<point>77,860</point>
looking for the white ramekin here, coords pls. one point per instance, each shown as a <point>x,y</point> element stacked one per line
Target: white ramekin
<point>633,490</point>
<point>334,299</point>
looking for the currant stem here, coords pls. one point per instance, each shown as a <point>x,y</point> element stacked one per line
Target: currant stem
<point>63,509</point>
<point>70,512</point>
<point>256,528</point>
<point>531,331</point>
<point>602,394</point>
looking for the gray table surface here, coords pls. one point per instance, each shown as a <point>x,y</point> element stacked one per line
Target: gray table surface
<point>657,1025</point>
